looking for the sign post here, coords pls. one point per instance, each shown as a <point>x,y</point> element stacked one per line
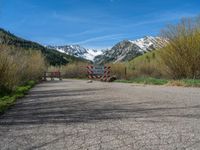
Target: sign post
<point>98,72</point>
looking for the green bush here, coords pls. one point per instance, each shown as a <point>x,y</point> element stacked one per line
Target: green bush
<point>31,83</point>
<point>20,91</point>
<point>192,82</point>
<point>6,102</point>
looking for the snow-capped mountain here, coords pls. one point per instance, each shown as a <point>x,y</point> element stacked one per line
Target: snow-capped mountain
<point>149,43</point>
<point>78,51</point>
<point>123,51</point>
<point>127,50</point>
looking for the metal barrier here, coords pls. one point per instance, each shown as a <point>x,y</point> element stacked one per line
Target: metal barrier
<point>98,72</point>
<point>52,75</point>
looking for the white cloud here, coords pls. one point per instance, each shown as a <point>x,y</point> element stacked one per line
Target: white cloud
<point>101,38</point>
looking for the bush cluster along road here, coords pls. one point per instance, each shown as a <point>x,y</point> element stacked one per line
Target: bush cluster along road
<point>74,114</point>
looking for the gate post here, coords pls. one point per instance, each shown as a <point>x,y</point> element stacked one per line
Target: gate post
<point>59,76</point>
<point>45,78</point>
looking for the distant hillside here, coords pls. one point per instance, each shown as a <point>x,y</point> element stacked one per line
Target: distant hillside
<point>53,57</point>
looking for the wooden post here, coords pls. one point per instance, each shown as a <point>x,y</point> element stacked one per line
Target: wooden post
<point>45,78</point>
<point>59,75</point>
<point>51,76</point>
<point>125,72</point>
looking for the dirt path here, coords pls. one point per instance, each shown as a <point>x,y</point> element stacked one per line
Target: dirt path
<point>74,114</point>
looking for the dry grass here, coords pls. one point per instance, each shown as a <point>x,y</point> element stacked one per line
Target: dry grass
<point>75,70</point>
<point>17,67</point>
<point>176,83</point>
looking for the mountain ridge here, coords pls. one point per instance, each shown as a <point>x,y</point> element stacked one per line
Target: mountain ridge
<point>77,51</point>
<point>127,50</point>
<point>122,51</point>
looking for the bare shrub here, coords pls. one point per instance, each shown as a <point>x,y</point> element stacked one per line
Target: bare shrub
<point>74,70</point>
<point>119,70</point>
<point>181,56</point>
<point>35,65</point>
<point>17,67</point>
<point>8,71</point>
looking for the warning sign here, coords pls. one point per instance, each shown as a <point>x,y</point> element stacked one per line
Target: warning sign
<point>98,72</point>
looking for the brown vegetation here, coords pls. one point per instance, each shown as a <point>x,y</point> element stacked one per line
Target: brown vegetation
<point>17,67</point>
<point>181,56</point>
<point>73,70</point>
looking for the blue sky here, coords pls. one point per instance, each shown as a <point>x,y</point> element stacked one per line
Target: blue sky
<point>91,23</point>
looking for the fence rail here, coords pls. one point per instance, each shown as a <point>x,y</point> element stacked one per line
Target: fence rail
<point>52,75</point>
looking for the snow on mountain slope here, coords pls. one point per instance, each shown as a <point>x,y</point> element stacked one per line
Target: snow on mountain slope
<point>91,54</point>
<point>149,42</point>
<point>78,51</point>
<point>127,50</point>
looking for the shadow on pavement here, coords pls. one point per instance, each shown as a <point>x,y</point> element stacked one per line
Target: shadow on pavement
<point>71,106</point>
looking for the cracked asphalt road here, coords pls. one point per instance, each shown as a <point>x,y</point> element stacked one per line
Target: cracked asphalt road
<point>74,114</point>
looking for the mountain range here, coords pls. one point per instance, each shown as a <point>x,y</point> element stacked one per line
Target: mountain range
<point>123,51</point>
<point>129,49</point>
<point>78,51</point>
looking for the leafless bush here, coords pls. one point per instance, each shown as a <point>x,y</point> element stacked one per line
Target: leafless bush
<point>119,70</point>
<point>181,56</point>
<point>74,70</point>
<point>17,67</point>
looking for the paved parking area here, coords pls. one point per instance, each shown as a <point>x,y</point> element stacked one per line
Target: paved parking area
<point>74,114</point>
